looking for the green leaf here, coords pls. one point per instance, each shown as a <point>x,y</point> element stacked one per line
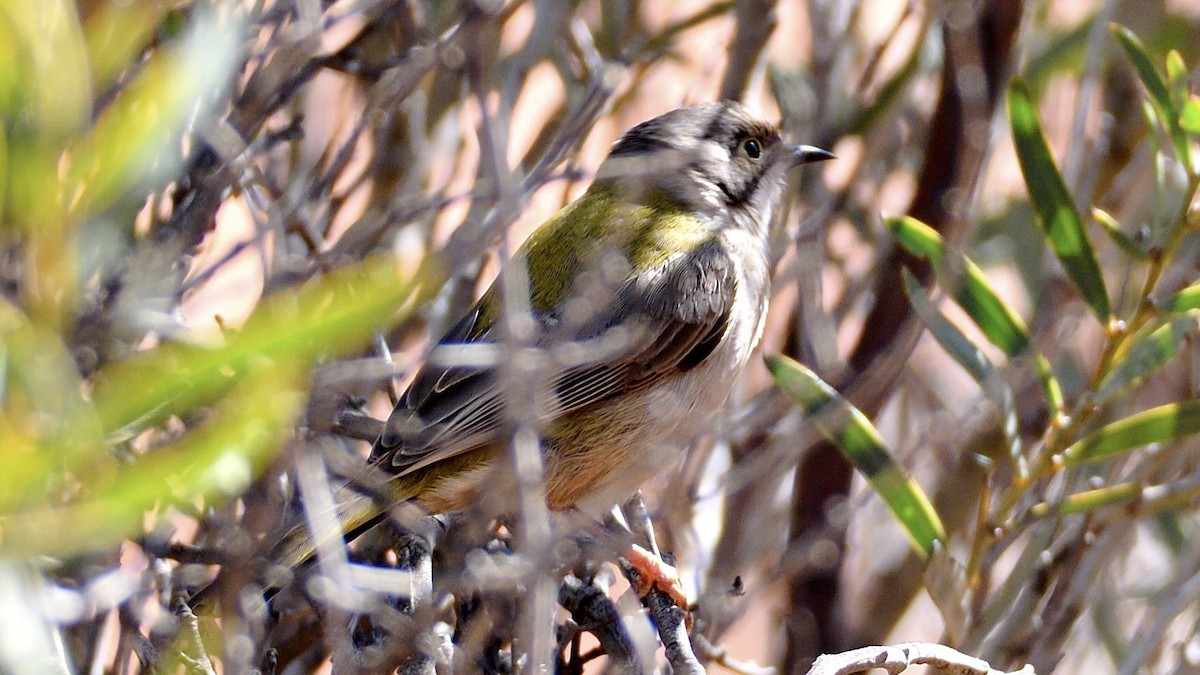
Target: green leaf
<point>1189,117</point>
<point>214,462</point>
<point>1177,79</point>
<point>975,362</point>
<point>1157,425</point>
<point>1088,500</point>
<point>1002,326</point>
<point>53,97</point>
<point>116,32</point>
<point>1056,211</point>
<point>1123,241</point>
<point>1146,356</point>
<point>3,161</point>
<point>849,429</point>
<point>1156,86</point>
<point>1183,301</point>
<point>138,137</point>
<point>46,424</point>
<point>918,238</point>
<point>1163,500</point>
<point>328,317</point>
<point>1050,386</point>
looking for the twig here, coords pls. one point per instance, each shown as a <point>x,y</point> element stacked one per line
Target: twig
<point>360,426</point>
<point>669,618</point>
<point>897,658</point>
<point>718,655</point>
<point>756,20</point>
<point>672,629</point>
<point>196,659</point>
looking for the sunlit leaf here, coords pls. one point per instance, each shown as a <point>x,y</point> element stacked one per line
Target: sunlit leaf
<point>116,32</point>
<point>1002,326</point>
<point>1157,425</point>
<point>3,166</point>
<point>1177,79</point>
<point>1185,300</point>
<point>139,136</point>
<point>1056,211</point>
<point>1156,86</point>
<point>1149,499</point>
<point>46,425</point>
<point>849,429</point>
<point>1123,241</point>
<point>1050,385</point>
<point>1088,500</point>
<point>326,318</point>
<point>1189,116</point>
<point>1146,355</point>
<point>54,96</point>
<point>975,362</point>
<point>215,461</point>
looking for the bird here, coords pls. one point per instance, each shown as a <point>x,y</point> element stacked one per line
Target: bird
<point>643,301</point>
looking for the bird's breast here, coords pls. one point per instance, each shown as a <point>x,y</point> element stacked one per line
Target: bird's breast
<point>647,433</point>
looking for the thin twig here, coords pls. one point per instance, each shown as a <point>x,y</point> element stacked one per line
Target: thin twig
<point>897,658</point>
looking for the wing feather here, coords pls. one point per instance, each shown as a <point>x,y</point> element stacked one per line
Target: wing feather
<point>672,317</point>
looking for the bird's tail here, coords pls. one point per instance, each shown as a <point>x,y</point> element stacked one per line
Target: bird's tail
<point>356,513</point>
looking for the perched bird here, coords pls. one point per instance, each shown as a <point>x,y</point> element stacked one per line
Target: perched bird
<point>644,298</point>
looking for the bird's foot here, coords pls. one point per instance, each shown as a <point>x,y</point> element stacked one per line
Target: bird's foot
<point>653,573</point>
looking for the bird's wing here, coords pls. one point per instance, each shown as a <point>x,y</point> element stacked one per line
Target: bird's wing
<point>661,322</point>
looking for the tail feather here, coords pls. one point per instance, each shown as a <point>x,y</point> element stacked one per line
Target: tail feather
<point>356,515</point>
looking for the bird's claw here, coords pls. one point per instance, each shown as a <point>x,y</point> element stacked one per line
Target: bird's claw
<point>653,573</point>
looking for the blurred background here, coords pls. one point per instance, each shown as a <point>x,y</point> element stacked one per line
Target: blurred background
<point>229,232</point>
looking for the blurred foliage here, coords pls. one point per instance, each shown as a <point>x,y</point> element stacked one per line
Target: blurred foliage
<point>210,212</point>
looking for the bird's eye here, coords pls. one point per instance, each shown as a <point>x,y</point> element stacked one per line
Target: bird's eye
<point>752,147</point>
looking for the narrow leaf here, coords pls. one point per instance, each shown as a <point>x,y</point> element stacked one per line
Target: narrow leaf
<point>1088,500</point>
<point>1056,211</point>
<point>1189,117</point>
<point>1050,386</point>
<point>1183,301</point>
<point>214,462</point>
<point>1000,324</point>
<point>1177,79</point>
<point>328,317</point>
<point>1149,499</point>
<point>138,137</point>
<point>46,423</point>
<point>1123,241</point>
<point>115,33</point>
<point>1155,85</point>
<point>51,73</point>
<point>1145,357</point>
<point>975,362</point>
<point>1157,425</point>
<point>849,429</point>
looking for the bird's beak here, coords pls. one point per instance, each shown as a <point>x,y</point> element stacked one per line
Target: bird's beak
<point>804,154</point>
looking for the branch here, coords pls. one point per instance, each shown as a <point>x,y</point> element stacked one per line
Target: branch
<point>897,658</point>
<point>595,613</point>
